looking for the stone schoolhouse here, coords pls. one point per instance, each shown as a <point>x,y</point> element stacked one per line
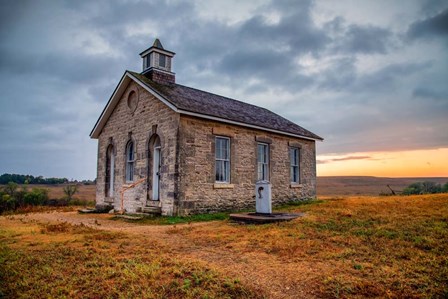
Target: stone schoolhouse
<point>191,151</point>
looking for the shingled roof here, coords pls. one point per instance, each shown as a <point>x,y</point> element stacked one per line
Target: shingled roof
<point>191,101</point>
<point>205,103</point>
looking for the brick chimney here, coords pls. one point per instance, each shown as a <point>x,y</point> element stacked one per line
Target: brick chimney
<point>157,64</point>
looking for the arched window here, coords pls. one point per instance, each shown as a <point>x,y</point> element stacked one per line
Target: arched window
<point>110,165</point>
<point>130,159</point>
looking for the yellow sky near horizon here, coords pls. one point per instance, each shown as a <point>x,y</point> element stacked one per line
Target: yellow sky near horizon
<point>415,163</point>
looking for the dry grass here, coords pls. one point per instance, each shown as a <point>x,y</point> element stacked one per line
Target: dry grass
<point>365,185</point>
<point>85,192</point>
<point>352,247</point>
<point>74,261</point>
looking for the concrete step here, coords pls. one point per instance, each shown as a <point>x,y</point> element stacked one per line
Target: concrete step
<point>152,210</point>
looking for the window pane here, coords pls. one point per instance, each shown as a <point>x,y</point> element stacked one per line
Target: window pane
<point>222,159</point>
<point>295,161</point>
<point>263,161</point>
<point>130,161</point>
<point>225,147</point>
<point>291,173</point>
<point>217,146</point>
<point>218,169</point>
<point>162,59</point>
<point>265,158</point>
<point>130,153</point>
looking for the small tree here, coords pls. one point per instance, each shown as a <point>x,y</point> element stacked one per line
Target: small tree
<point>70,190</point>
<point>445,188</point>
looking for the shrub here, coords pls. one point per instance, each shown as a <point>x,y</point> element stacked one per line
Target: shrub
<point>414,188</point>
<point>10,188</point>
<point>445,188</point>
<point>7,202</point>
<point>36,197</point>
<point>424,188</point>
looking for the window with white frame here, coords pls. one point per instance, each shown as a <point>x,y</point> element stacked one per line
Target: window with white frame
<point>263,161</point>
<point>294,157</point>
<point>222,160</point>
<point>130,159</point>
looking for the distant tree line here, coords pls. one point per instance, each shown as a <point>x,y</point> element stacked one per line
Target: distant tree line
<point>425,188</point>
<point>14,197</point>
<point>29,179</point>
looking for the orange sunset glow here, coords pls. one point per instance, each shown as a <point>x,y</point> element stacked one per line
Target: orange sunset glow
<point>416,163</point>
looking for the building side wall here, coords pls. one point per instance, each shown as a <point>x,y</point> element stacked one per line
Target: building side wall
<point>198,192</point>
<point>150,116</point>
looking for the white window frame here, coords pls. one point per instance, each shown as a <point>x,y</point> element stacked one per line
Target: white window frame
<point>130,161</point>
<point>294,158</point>
<point>263,166</point>
<point>224,162</point>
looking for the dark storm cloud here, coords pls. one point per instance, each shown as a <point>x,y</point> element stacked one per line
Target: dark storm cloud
<point>366,39</point>
<point>62,60</point>
<point>431,27</point>
<point>432,94</point>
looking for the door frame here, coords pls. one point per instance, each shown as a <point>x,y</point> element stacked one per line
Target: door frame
<point>153,171</point>
<point>156,173</point>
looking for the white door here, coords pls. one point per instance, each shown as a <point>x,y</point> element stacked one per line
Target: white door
<point>156,173</point>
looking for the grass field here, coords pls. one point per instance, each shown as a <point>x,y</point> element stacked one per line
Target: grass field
<point>366,185</point>
<point>345,247</point>
<point>85,192</point>
<point>326,186</point>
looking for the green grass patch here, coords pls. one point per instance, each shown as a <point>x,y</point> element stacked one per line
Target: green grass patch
<point>300,203</point>
<point>169,220</point>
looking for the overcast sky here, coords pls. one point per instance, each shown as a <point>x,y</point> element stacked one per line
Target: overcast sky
<point>365,75</point>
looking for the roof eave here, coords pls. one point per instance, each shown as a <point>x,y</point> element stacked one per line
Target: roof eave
<point>113,100</point>
<point>107,109</point>
<point>241,124</point>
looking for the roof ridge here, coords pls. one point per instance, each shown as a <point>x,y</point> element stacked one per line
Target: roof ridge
<point>162,89</point>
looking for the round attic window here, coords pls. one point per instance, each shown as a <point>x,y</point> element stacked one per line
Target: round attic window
<point>132,101</point>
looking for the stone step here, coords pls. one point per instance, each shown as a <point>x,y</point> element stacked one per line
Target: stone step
<point>152,210</point>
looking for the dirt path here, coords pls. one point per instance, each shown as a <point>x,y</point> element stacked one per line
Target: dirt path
<point>265,272</point>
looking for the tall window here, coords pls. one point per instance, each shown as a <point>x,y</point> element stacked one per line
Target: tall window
<point>294,153</point>
<point>222,159</point>
<point>110,171</point>
<point>130,159</point>
<point>263,161</point>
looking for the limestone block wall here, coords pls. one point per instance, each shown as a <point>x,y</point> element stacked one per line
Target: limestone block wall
<point>139,123</point>
<point>198,192</point>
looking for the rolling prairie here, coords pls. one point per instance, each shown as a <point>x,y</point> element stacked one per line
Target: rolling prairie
<point>344,247</point>
<point>366,185</point>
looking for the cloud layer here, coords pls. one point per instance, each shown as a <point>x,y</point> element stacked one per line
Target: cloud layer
<point>365,81</point>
